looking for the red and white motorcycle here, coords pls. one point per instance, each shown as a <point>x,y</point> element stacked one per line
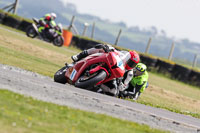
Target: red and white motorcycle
<point>91,71</point>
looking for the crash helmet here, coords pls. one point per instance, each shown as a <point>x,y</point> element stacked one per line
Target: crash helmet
<point>140,68</point>
<point>53,16</point>
<point>133,60</point>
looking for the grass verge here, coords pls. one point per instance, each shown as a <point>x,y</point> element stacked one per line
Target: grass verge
<point>20,114</point>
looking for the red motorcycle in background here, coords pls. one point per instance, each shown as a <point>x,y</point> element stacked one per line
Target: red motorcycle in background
<point>91,71</point>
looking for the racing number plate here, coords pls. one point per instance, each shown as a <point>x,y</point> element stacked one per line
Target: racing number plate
<point>73,73</point>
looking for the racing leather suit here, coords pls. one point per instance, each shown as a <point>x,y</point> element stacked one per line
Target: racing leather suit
<point>46,23</point>
<point>134,85</point>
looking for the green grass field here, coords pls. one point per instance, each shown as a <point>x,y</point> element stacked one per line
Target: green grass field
<point>44,58</point>
<point>19,114</point>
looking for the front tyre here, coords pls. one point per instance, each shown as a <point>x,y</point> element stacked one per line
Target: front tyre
<point>58,41</point>
<point>59,76</point>
<point>30,32</point>
<point>88,83</point>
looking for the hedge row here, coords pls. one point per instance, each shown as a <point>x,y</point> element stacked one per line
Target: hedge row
<point>170,68</point>
<point>14,21</point>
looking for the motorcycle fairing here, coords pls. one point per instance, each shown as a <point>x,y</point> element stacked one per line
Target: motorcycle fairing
<point>97,69</point>
<point>68,73</point>
<point>110,59</point>
<point>119,61</point>
<point>35,27</point>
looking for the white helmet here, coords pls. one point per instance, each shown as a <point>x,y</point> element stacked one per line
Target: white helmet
<point>53,16</point>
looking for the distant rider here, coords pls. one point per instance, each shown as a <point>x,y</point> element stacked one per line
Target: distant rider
<point>129,59</point>
<point>47,22</point>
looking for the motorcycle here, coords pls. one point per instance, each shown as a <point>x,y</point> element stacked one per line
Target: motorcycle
<point>91,71</point>
<point>52,35</point>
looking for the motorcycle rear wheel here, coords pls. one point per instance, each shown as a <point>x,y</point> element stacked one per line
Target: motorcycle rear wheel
<point>88,83</point>
<point>59,76</point>
<point>58,41</point>
<point>30,32</point>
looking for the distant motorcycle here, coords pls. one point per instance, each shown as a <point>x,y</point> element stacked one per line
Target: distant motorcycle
<point>52,35</point>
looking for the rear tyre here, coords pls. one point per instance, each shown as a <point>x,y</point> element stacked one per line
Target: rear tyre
<point>58,41</point>
<point>59,76</point>
<point>88,83</point>
<point>30,32</point>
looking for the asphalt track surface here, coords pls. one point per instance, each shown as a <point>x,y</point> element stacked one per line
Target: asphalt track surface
<point>43,88</point>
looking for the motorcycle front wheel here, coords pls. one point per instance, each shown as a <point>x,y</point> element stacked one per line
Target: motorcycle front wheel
<point>30,32</point>
<point>58,41</point>
<point>88,83</point>
<point>59,76</point>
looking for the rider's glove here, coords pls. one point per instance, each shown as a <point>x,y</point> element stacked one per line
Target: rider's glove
<point>106,48</point>
<point>102,46</point>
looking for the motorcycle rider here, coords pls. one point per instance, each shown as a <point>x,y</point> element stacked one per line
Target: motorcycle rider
<point>129,59</point>
<point>58,29</point>
<point>47,22</point>
<point>135,82</point>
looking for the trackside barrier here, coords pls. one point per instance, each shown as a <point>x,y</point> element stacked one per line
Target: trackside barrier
<point>2,16</point>
<point>149,61</point>
<point>164,66</point>
<point>11,21</point>
<point>82,43</point>
<point>180,73</point>
<point>194,77</point>
<point>23,25</point>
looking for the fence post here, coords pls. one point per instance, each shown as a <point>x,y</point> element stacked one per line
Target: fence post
<point>15,7</point>
<point>194,61</point>
<point>171,51</point>
<point>148,45</point>
<point>85,28</point>
<point>93,26</point>
<point>117,39</point>
<point>71,23</point>
<point>75,29</point>
<point>12,7</point>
